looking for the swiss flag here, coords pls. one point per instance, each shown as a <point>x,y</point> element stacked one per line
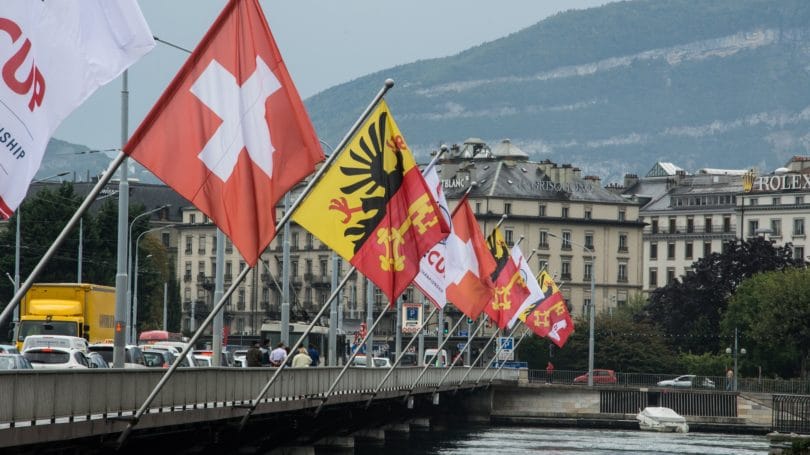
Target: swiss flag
<point>230,133</point>
<point>469,264</point>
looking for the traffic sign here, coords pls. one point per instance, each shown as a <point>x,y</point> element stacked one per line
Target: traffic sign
<point>506,343</point>
<point>462,333</point>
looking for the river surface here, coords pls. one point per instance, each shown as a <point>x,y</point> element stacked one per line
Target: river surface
<point>534,440</point>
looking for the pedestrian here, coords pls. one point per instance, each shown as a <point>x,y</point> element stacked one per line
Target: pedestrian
<point>729,379</point>
<point>314,355</point>
<point>549,371</point>
<point>265,348</point>
<point>254,355</point>
<point>278,355</point>
<point>302,359</point>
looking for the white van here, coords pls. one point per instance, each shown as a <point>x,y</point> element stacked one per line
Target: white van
<point>441,360</point>
<point>55,341</point>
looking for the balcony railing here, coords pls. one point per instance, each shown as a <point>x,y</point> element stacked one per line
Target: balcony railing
<point>683,230</point>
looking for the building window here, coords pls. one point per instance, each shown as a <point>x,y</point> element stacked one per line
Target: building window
<point>324,268</point>
<point>707,224</point>
<point>228,270</point>
<point>228,246</point>
<point>588,213</point>
<point>240,300</point>
<point>799,199</point>
<point>753,201</point>
<point>201,268</point>
<point>622,215</point>
<point>308,294</point>
<point>477,207</point>
<point>654,250</point>
<point>587,274</point>
<point>166,239</point>
<point>294,268</point>
<point>654,225</point>
<point>543,239</point>
<point>798,253</point>
<point>541,210</point>
<point>188,244</point>
<point>622,243</point>
<point>753,225</point>
<point>688,250</point>
<point>542,263</point>
<point>798,227</point>
<point>201,244</point>
<point>670,250</point>
<point>622,276</point>
<point>192,218</point>
<point>776,228</point>
<point>508,236</point>
<point>653,277</point>
<point>566,240</point>
<point>726,224</point>
<point>378,296</point>
<point>565,269</point>
<point>187,275</point>
<point>589,240</point>
<point>672,225</point>
<point>670,275</point>
<point>187,294</point>
<point>294,241</point>
<point>690,225</point>
<point>565,212</point>
<point>308,266</point>
<point>507,208</point>
<point>310,241</point>
<point>707,249</point>
<point>776,201</point>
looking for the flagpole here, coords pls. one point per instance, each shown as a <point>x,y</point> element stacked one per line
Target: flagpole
<point>453,364</point>
<point>252,408</point>
<point>481,354</point>
<point>399,358</point>
<point>500,367</point>
<point>369,359</point>
<point>133,420</point>
<point>25,286</point>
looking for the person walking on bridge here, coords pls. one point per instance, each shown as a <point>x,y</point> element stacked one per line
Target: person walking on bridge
<point>549,371</point>
<point>254,355</point>
<point>302,359</point>
<point>278,355</point>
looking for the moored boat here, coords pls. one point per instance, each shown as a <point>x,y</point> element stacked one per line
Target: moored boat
<point>654,418</point>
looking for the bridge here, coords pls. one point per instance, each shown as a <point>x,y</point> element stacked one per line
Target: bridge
<point>86,410</point>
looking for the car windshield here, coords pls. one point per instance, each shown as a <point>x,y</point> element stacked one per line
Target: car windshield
<point>380,362</point>
<point>7,363</point>
<point>47,328</point>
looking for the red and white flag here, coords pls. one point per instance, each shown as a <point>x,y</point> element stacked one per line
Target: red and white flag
<point>54,55</point>
<point>430,279</point>
<point>469,264</point>
<point>230,133</point>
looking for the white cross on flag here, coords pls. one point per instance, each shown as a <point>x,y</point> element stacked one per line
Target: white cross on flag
<point>228,121</point>
<point>53,56</point>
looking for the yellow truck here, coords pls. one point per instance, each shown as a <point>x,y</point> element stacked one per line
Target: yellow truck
<point>76,309</point>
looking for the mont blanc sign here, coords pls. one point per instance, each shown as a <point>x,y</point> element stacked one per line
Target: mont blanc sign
<point>543,185</point>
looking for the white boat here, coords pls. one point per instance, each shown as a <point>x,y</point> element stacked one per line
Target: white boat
<point>654,418</point>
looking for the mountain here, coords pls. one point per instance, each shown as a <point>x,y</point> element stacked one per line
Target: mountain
<point>613,89</point>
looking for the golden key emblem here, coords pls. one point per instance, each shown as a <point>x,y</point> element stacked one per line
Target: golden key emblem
<point>502,301</point>
<point>422,217</point>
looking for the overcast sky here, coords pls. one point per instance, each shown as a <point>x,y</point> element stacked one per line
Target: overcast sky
<point>324,43</point>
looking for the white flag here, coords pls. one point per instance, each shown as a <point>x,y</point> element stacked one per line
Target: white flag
<point>430,279</point>
<point>535,293</point>
<point>53,56</point>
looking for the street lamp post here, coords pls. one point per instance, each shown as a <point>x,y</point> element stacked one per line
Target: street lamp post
<point>736,350</point>
<point>135,291</point>
<point>128,320</point>
<point>591,309</point>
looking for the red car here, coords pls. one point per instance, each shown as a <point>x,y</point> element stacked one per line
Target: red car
<point>599,377</point>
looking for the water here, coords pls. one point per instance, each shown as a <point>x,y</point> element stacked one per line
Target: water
<point>487,440</point>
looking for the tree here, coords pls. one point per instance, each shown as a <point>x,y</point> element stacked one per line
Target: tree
<point>772,311</point>
<point>689,310</point>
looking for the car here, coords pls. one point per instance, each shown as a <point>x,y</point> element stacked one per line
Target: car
<point>688,381</point>
<point>14,362</point>
<point>158,358</point>
<point>45,358</point>
<point>188,361</point>
<point>379,362</point>
<point>8,349</point>
<point>53,341</point>
<point>133,356</point>
<point>600,376</point>
<point>239,358</point>
<point>96,360</point>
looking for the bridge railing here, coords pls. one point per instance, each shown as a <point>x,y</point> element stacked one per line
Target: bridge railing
<point>45,396</point>
<point>754,385</point>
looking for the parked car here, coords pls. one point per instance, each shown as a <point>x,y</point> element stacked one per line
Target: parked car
<point>600,376</point>
<point>133,356</point>
<point>188,361</point>
<point>96,360</point>
<point>158,358</point>
<point>8,349</point>
<point>239,358</point>
<point>688,381</point>
<point>56,358</point>
<point>14,362</point>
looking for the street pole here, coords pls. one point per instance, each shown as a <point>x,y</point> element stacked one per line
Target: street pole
<point>398,329</point>
<point>165,306</point>
<point>219,290</point>
<point>79,266</point>
<point>122,262</point>
<point>591,304</point>
<point>285,277</point>
<point>16,317</point>
<point>130,335</point>
<point>369,322</point>
<point>135,292</point>
<point>333,314</point>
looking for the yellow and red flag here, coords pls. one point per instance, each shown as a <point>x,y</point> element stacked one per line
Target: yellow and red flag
<point>373,207</point>
<point>550,317</point>
<point>510,285</point>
